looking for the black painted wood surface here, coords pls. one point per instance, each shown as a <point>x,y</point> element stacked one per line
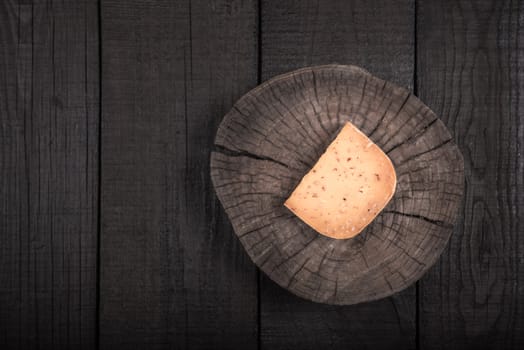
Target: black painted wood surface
<point>171,272</point>
<point>474,297</point>
<point>49,88</point>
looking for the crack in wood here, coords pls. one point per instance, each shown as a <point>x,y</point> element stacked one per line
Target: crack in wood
<point>234,153</point>
<point>258,228</point>
<point>401,129</point>
<point>440,223</point>
<point>294,275</point>
<point>404,101</point>
<point>295,254</point>
<point>381,119</point>
<point>414,136</point>
<point>415,156</point>
<point>277,98</point>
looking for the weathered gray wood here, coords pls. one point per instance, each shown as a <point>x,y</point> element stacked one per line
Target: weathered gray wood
<point>471,71</point>
<point>48,174</point>
<point>173,274</point>
<point>273,136</point>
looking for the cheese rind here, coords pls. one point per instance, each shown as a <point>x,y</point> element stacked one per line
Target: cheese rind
<point>347,188</point>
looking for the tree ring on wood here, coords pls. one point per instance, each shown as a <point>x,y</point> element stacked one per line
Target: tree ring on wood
<point>273,136</point>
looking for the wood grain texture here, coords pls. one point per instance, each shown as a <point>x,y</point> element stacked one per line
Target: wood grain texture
<point>273,136</point>
<point>379,37</point>
<point>471,72</point>
<point>48,174</point>
<point>371,34</point>
<point>173,274</point>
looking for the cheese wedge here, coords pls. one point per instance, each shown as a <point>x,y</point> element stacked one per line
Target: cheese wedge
<point>347,187</point>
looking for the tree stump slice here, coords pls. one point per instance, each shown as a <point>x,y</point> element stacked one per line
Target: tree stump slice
<point>274,135</point>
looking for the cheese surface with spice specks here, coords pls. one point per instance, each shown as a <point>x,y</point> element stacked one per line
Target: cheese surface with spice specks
<point>347,188</point>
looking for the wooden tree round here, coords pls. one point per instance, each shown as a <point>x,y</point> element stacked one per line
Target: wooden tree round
<point>274,135</point>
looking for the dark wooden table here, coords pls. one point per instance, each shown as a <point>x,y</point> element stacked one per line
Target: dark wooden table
<point>110,233</point>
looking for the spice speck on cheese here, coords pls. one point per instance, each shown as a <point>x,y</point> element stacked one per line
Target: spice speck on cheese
<point>350,196</point>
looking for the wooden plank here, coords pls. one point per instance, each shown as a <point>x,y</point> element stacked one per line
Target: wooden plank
<point>48,173</point>
<point>470,71</point>
<point>378,37</point>
<point>173,274</point>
